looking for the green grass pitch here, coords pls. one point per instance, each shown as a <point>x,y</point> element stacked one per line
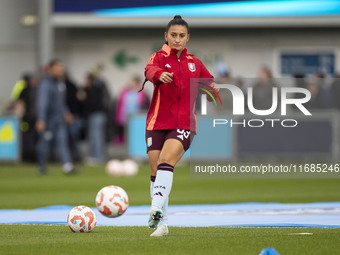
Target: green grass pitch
<point>21,187</point>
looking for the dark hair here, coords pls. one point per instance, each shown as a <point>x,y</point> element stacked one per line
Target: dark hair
<point>177,20</point>
<point>54,62</point>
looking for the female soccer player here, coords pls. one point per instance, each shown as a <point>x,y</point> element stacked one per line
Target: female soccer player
<point>171,119</point>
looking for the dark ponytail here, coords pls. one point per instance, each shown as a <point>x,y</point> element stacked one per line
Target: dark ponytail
<point>142,86</point>
<point>177,20</point>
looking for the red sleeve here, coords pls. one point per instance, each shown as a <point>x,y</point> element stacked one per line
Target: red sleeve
<point>153,69</point>
<point>208,79</point>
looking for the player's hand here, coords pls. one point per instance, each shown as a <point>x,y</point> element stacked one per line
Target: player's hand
<point>213,86</point>
<point>40,126</point>
<point>166,77</point>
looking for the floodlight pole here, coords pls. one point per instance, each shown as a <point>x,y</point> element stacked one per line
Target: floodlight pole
<point>45,32</point>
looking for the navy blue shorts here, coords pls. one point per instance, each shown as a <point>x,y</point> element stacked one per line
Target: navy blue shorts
<point>156,138</point>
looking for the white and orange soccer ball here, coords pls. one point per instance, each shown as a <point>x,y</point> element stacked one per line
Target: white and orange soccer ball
<point>112,201</point>
<point>81,219</point>
<point>114,167</point>
<point>130,167</point>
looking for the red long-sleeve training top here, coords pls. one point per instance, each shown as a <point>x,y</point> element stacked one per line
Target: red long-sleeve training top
<point>173,104</point>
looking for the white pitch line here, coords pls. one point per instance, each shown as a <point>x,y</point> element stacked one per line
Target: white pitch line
<point>304,211</point>
<point>298,234</point>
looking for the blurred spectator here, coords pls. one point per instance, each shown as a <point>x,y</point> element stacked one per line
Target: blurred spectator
<point>29,135</point>
<point>96,99</point>
<point>129,102</point>
<point>263,90</point>
<point>300,80</point>
<point>19,86</point>
<point>16,106</point>
<point>335,91</point>
<point>321,97</point>
<point>51,116</point>
<point>75,108</point>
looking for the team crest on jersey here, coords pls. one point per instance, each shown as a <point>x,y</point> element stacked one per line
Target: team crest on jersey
<point>192,67</point>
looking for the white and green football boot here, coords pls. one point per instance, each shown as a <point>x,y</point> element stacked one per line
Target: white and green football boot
<point>156,215</point>
<point>162,230</point>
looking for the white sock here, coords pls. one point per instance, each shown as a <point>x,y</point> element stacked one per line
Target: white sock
<point>162,186</point>
<point>152,182</point>
<point>165,212</point>
<point>165,207</point>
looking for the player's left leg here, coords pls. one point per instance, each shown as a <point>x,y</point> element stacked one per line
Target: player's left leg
<point>171,153</point>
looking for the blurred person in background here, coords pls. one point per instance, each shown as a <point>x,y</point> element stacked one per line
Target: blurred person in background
<point>29,135</point>
<point>321,97</point>
<point>324,92</point>
<point>16,106</point>
<point>263,90</point>
<point>129,102</point>
<point>75,108</point>
<point>96,100</point>
<point>52,116</point>
<point>20,85</point>
<point>335,91</point>
<point>300,80</point>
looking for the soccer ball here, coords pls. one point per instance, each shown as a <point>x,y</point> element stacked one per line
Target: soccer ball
<point>114,167</point>
<point>81,219</point>
<point>112,201</point>
<point>130,167</point>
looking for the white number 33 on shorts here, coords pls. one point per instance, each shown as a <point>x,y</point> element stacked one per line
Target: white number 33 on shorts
<point>182,133</point>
